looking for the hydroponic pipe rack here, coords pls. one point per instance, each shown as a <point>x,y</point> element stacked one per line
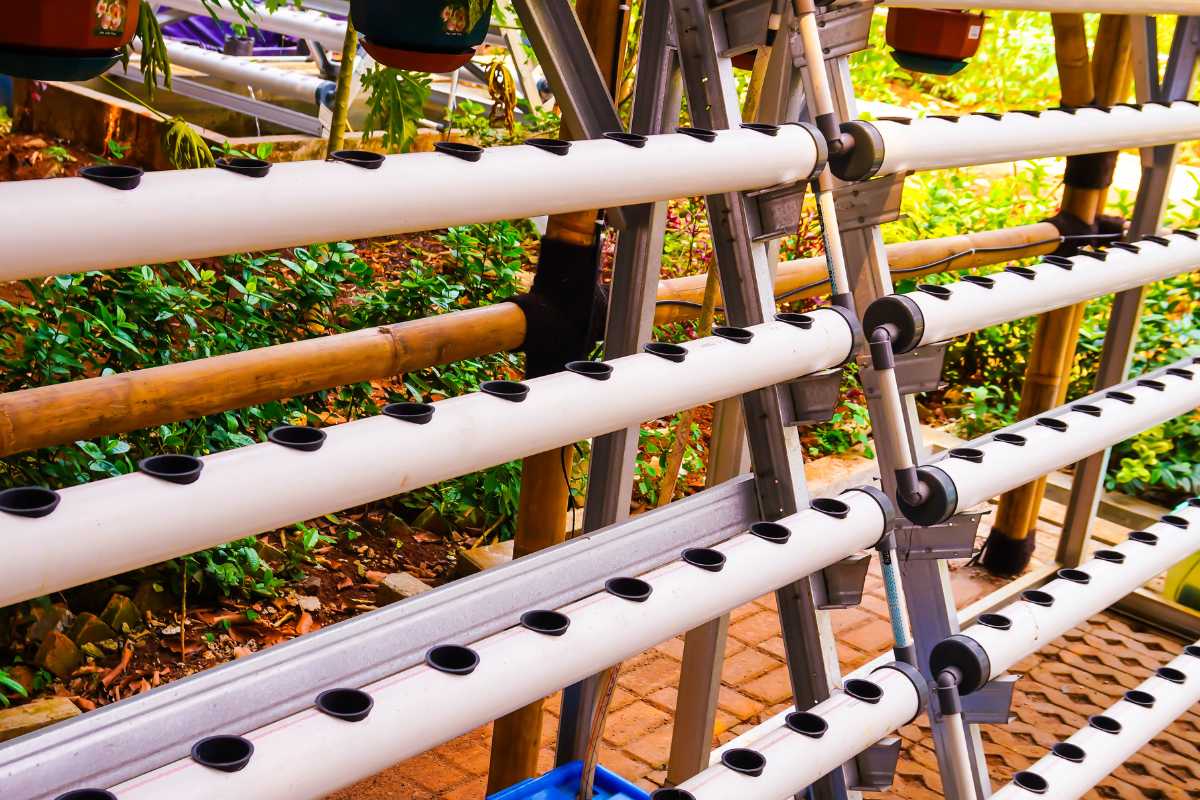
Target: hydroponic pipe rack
<point>1072,768</point>
<point>294,22</point>
<point>1064,6</point>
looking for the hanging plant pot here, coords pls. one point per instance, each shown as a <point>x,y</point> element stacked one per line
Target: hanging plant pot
<point>67,40</point>
<point>422,35</point>
<point>934,40</point>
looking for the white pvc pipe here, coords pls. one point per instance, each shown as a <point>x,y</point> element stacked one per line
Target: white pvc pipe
<point>1072,6</point>
<point>795,761</point>
<point>287,83</point>
<point>971,307</point>
<point>195,213</point>
<point>1006,466</point>
<point>309,755</point>
<point>931,143</point>
<point>289,21</point>
<point>1035,626</point>
<point>1104,752</point>
<point>109,526</point>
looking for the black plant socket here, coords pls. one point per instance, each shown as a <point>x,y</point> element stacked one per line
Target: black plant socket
<point>558,147</point>
<point>1031,782</point>
<point>29,501</point>
<point>1095,255</point>
<point>87,794</point>
<point>831,507</point>
<point>1111,556</point>
<point>224,753</point>
<point>350,705</point>
<point>1060,262</point>
<point>417,413</point>
<point>631,139</point>
<point>967,454</point>
<point>802,321</point>
<point>1121,397</point>
<point>744,760</point>
<point>115,176</point>
<point>1140,698</point>
<point>671,352</point>
<point>997,621</point>
<point>467,152</point>
<point>1084,408</point>
<point>171,467</point>
<point>1149,383</point>
<point>453,659</point>
<point>298,437</point>
<point>1192,650</point>
<point>1010,438</point>
<point>1126,246</point>
<point>705,558</point>
<point>1174,521</point>
<point>634,590</point>
<point>1023,272</point>
<point>1037,597</point>
<point>807,724</point>
<point>1053,424</point>
<point>771,532</point>
<point>1144,537</point>
<point>866,691</point>
<point>980,281</point>
<point>761,127</point>
<point>596,370</point>
<point>1165,242</point>
<point>1179,372</point>
<point>250,167</point>
<point>1189,234</point>
<point>1104,724</point>
<point>1171,674</point>
<point>513,391</point>
<point>672,793</point>
<point>703,134</point>
<point>739,335</point>
<point>358,158</point>
<point>936,290</point>
<point>547,623</point>
<point>1069,752</point>
<point>1074,575</point>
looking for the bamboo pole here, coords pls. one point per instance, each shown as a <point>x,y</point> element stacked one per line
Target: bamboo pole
<point>345,82</point>
<point>1103,81</point>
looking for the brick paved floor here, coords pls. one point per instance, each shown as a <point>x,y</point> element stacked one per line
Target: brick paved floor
<point>1079,674</point>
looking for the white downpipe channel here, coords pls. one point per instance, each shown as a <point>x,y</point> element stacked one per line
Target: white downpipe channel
<point>309,755</point>
<point>1105,752</point>
<point>1034,626</point>
<point>195,213</point>
<point>289,21</point>
<point>971,307</point>
<point>1072,6</point>
<point>795,760</point>
<point>113,525</point>
<point>1006,466</point>
<point>288,83</point>
<point>975,139</point>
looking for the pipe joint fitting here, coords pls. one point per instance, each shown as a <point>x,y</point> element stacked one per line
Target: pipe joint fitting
<point>901,317</point>
<point>916,678</point>
<point>962,656</point>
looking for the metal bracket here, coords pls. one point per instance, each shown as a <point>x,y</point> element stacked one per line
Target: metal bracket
<point>841,584</point>
<point>774,211</point>
<point>843,31</point>
<point>812,399</point>
<point>991,705</point>
<point>869,203</point>
<point>740,26</point>
<point>875,766</point>
<point>917,371</point>
<point>954,538</point>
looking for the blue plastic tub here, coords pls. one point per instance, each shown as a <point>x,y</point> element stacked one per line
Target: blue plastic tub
<point>563,783</point>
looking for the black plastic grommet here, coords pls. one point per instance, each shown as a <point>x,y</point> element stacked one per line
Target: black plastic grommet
<point>703,134</point>
<point>1144,537</point>
<point>771,532</point>
<point>1164,241</point>
<point>250,167</point>
<point>1095,255</point>
<point>1179,372</point>
<point>1140,698</point>
<point>936,290</point>
<point>981,281</point>
<point>997,621</point>
<point>1038,598</point>
<point>172,468</point>
<point>1069,752</point>
<point>29,501</point>
<point>705,558</point>
<point>1031,782</point>
<point>545,622</point>
<point>864,690</point>
<point>761,127</point>
<point>1192,650</point>
<point>416,413</point>
<point>634,590</point>
<point>1175,521</point>
<point>1074,575</point>
<point>803,321</point>
<point>223,753</point>
<point>349,705</point>
<point>1022,272</point>
<point>512,391</point>
<point>671,793</point>
<point>1121,397</point>
<point>1059,261</point>
<point>1010,438</point>
<point>1029,112</point>
<point>1110,556</point>
<point>671,352</point>
<point>1149,383</point>
<point>87,794</point>
<point>297,437</point>
<point>358,158</point>
<point>596,370</point>
<point>114,176</point>
<point>453,659</point>
<point>1053,423</point>
<point>807,724</point>
<point>631,139</point>
<point>739,335</point>
<point>830,507</point>
<point>745,761</point>
<point>467,152</point>
<point>1171,675</point>
<point>967,454</point>
<point>1104,724</point>
<point>1084,408</point>
<point>1189,234</point>
<point>1126,246</point>
<point>558,147</point>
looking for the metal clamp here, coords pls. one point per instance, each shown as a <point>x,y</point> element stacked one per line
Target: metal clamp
<point>875,767</point>
<point>919,370</point>
<point>841,584</point>
<point>869,203</point>
<point>843,31</point>
<point>774,211</point>
<point>740,26</point>
<point>812,399</point>
<point>954,538</point>
<point>991,705</point>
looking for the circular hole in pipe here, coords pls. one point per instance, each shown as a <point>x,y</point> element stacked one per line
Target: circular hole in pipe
<point>173,468</point>
<point>558,147</point>
<point>250,167</point>
<point>1038,597</point>
<point>358,158</point>
<point>513,391</point>
<point>1150,383</point>
<point>1031,782</point>
<point>1084,408</point>
<point>831,507</point>
<point>1180,372</point>
<point>1192,650</point>
<point>635,590</point>
<point>671,793</point>
<point>934,290</point>
<point>703,134</point>
<point>224,753</point>
<point>705,558</point>
<point>298,437</point>
<point>545,622</point>
<point>1010,438</point>
<point>416,413</point>
<point>771,532</point>
<point>596,370</point>
<point>350,705</point>
<point>1144,537</point>
<point>29,501</point>
<point>1171,674</point>
<point>803,321</point>
<point>979,280</point>
<point>967,454</point>
<point>1111,556</point>
<point>467,152</point>
<point>807,724</point>
<point>631,139</point>
<point>1194,502</point>
<point>671,352</point>
<point>997,621</point>
<point>1023,272</point>
<point>87,794</point>
<point>744,760</point>
<point>739,335</point>
<point>761,127</point>
<point>1174,521</point>
<point>1121,397</point>
<point>1104,724</point>
<point>866,691</point>
<point>454,659</point>
<point>1140,698</point>
<point>1053,424</point>
<point>1074,575</point>
<point>115,176</point>
<point>1189,234</point>
<point>1069,752</point>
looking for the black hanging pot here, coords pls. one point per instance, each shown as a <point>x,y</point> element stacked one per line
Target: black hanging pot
<point>66,40</point>
<point>422,35</point>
